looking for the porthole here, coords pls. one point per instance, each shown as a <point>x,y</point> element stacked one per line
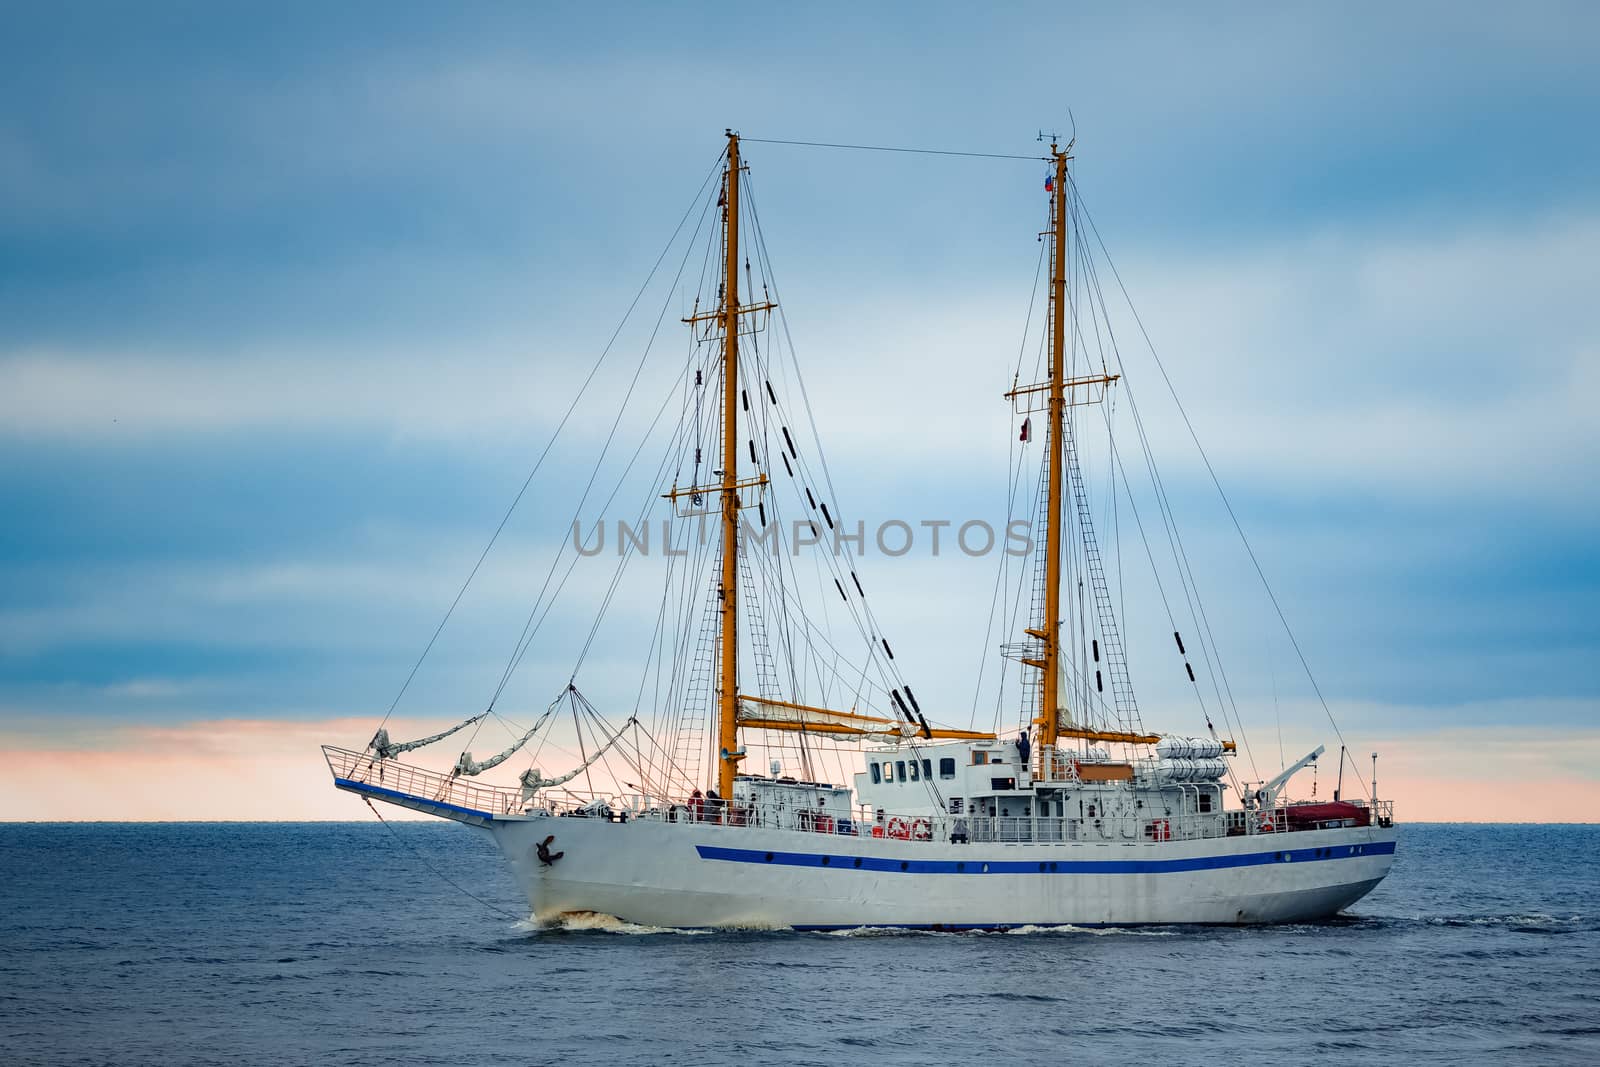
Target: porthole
<point>1041,868</point>
<point>904,866</point>
<point>858,861</point>
<point>825,860</point>
<point>985,868</point>
<point>769,857</point>
<point>960,867</point>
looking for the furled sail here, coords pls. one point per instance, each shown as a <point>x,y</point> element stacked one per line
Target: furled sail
<point>532,781</point>
<point>763,714</point>
<point>467,765</point>
<point>779,715</point>
<point>386,749</point>
<point>1064,691</point>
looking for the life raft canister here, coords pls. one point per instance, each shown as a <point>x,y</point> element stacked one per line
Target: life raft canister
<point>824,824</point>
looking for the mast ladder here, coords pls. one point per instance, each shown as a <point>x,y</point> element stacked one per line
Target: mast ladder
<point>1116,660</point>
<point>690,743</point>
<point>1033,679</point>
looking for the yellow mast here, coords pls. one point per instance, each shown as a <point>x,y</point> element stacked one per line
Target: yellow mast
<point>728,639</point>
<point>1049,635</point>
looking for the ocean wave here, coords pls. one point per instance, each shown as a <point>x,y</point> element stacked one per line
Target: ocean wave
<point>882,931</point>
<point>1531,923</point>
<point>593,922</point>
<point>1091,931</point>
<point>1027,930</point>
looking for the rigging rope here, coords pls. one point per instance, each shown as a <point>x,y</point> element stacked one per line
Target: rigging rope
<point>383,748</point>
<point>531,627</point>
<point>1210,653</point>
<point>546,452</point>
<point>866,622</point>
<point>442,876</point>
<point>887,148</point>
<point>1217,483</point>
<point>1013,480</point>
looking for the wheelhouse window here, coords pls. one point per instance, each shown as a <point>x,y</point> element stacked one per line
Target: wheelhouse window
<point>980,758</point>
<point>888,771</point>
<point>914,775</point>
<point>927,769</point>
<point>877,775</point>
<point>1205,801</point>
<point>900,770</point>
<point>947,767</point>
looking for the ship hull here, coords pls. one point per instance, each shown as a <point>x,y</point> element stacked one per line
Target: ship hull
<point>709,876</point>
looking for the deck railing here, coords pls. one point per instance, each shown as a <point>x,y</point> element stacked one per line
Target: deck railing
<point>365,769</point>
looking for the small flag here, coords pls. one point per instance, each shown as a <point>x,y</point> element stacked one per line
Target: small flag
<point>1050,184</point>
<point>1027,428</point>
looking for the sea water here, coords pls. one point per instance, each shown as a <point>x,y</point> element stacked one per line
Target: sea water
<point>366,943</point>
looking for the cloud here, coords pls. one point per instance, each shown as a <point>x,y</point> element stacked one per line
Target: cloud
<point>240,769</point>
<point>1450,361</point>
<point>108,398</point>
<point>1440,775</point>
<point>230,769</point>
<point>1454,360</point>
<point>285,328</point>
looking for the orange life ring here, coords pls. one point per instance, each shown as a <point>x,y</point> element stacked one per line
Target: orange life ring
<point>1266,826</point>
<point>899,829</point>
<point>921,830</point>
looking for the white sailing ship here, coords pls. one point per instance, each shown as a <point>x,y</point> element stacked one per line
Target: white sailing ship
<point>878,816</point>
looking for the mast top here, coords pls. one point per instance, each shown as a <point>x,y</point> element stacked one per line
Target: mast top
<point>1056,151</point>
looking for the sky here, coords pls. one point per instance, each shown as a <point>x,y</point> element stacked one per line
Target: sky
<point>292,297</point>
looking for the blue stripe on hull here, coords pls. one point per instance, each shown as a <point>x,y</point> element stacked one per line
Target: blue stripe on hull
<point>964,927</point>
<point>979,866</point>
<point>379,791</point>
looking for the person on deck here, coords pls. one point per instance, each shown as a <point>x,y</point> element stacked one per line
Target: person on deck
<point>697,806</point>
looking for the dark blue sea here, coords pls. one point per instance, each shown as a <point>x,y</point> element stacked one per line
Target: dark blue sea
<point>343,943</point>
